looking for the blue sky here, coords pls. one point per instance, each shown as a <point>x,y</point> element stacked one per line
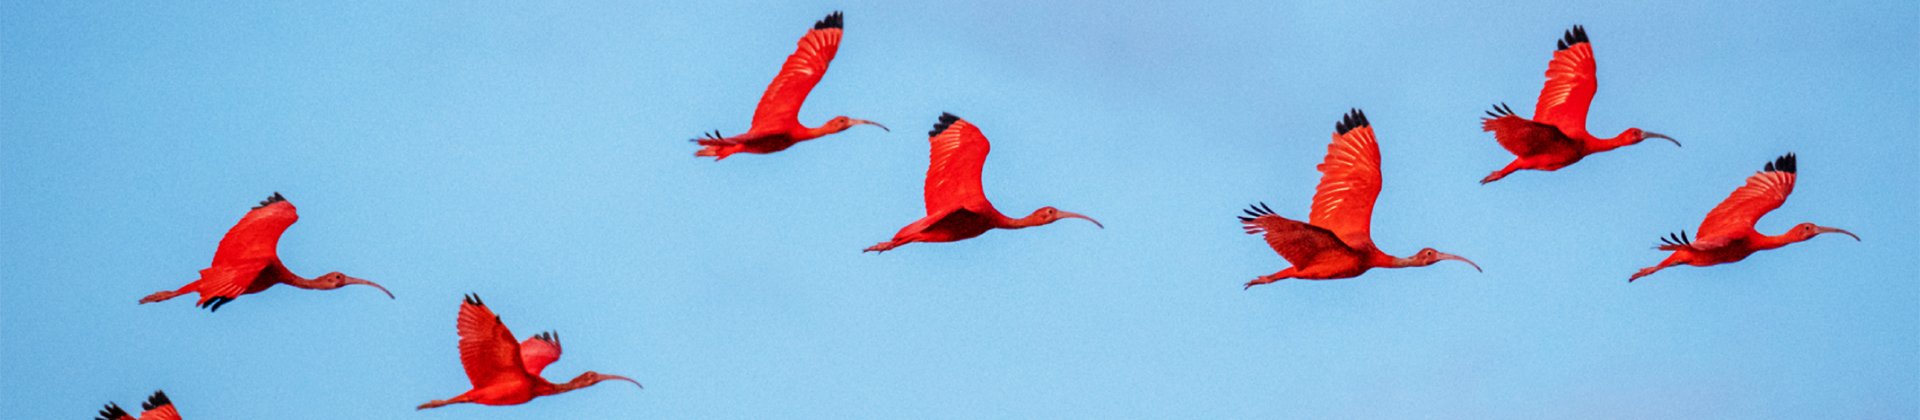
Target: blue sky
<point>537,155</point>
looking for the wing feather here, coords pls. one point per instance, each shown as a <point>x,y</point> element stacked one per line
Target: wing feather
<point>1570,85</point>
<point>1763,192</point>
<point>1349,183</point>
<point>959,153</point>
<point>487,349</point>
<point>779,108</point>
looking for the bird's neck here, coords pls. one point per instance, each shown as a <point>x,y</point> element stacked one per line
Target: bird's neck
<point>290,279</point>
<point>548,388</point>
<point>806,133</point>
<point>1035,219</point>
<point>1381,259</point>
<point>1765,242</point>
<point>1595,145</point>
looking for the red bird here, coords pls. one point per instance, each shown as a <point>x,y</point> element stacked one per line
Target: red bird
<point>1727,235</point>
<point>1557,136</point>
<point>246,262</point>
<point>776,123</point>
<point>504,372</point>
<point>157,407</point>
<point>957,207</point>
<point>1336,242</point>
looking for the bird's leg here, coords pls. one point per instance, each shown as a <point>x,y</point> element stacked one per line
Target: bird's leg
<point>439,403</point>
<point>885,246</point>
<point>166,294</point>
<point>1502,173</point>
<point>1282,275</point>
<point>1669,262</point>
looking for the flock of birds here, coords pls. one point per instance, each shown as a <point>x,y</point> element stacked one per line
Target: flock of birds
<point>1335,242</point>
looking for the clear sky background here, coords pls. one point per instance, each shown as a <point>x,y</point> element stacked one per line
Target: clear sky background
<point>537,155</point>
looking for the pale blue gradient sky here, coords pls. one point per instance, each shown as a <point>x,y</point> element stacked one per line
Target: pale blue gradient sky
<point>537,155</point>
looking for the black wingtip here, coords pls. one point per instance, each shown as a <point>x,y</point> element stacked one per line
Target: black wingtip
<point>112,412</point>
<point>1354,119</point>
<point>1257,210</point>
<point>946,120</point>
<point>1575,36</point>
<point>275,198</point>
<point>548,336</point>
<point>474,299</point>
<point>158,399</point>
<point>1785,163</point>
<point>832,21</point>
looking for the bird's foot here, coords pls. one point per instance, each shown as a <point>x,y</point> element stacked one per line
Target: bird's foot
<point>1492,177</point>
<point>1259,281</point>
<point>882,247</point>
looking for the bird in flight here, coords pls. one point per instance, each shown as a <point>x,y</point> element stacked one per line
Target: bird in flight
<point>1557,135</point>
<point>957,206</point>
<point>1336,242</point>
<point>776,122</point>
<point>247,262</point>
<point>506,372</point>
<point>1727,235</point>
<point>157,407</point>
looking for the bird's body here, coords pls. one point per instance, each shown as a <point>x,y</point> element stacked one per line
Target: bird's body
<point>157,407</point>
<point>1337,241</point>
<point>1557,135</point>
<point>1727,234</point>
<point>248,262</point>
<point>957,206</point>
<point>505,372</point>
<point>776,122</point>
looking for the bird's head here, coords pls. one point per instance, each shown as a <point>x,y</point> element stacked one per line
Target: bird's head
<point>842,123</point>
<point>1429,256</point>
<point>335,280</point>
<point>589,378</point>
<point>1048,214</point>
<point>1638,135</point>
<point>1805,231</point>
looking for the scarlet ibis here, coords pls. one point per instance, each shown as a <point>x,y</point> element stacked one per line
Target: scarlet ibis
<point>247,263</point>
<point>957,206</point>
<point>1727,235</point>
<point>1557,135</point>
<point>776,122</point>
<point>504,372</point>
<point>157,407</point>
<point>1336,242</point>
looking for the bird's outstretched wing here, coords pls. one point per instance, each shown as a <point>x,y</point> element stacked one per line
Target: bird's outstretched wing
<point>1734,218</point>
<point>1299,243</point>
<point>1349,183</point>
<point>1521,136</point>
<point>249,247</point>
<point>959,152</point>
<point>1570,84</point>
<point>780,107</point>
<point>158,407</point>
<point>487,348</point>
<point>539,351</point>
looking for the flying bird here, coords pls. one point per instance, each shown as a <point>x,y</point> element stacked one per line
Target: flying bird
<point>1557,135</point>
<point>1336,242</point>
<point>1727,235</point>
<point>505,372</point>
<point>776,122</point>
<point>157,407</point>
<point>247,263</point>
<point>957,206</point>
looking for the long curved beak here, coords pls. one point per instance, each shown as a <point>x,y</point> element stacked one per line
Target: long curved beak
<point>1072,215</point>
<point>1446,256</point>
<point>1824,229</point>
<point>351,280</point>
<point>1653,135</point>
<point>875,124</point>
<point>621,378</point>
